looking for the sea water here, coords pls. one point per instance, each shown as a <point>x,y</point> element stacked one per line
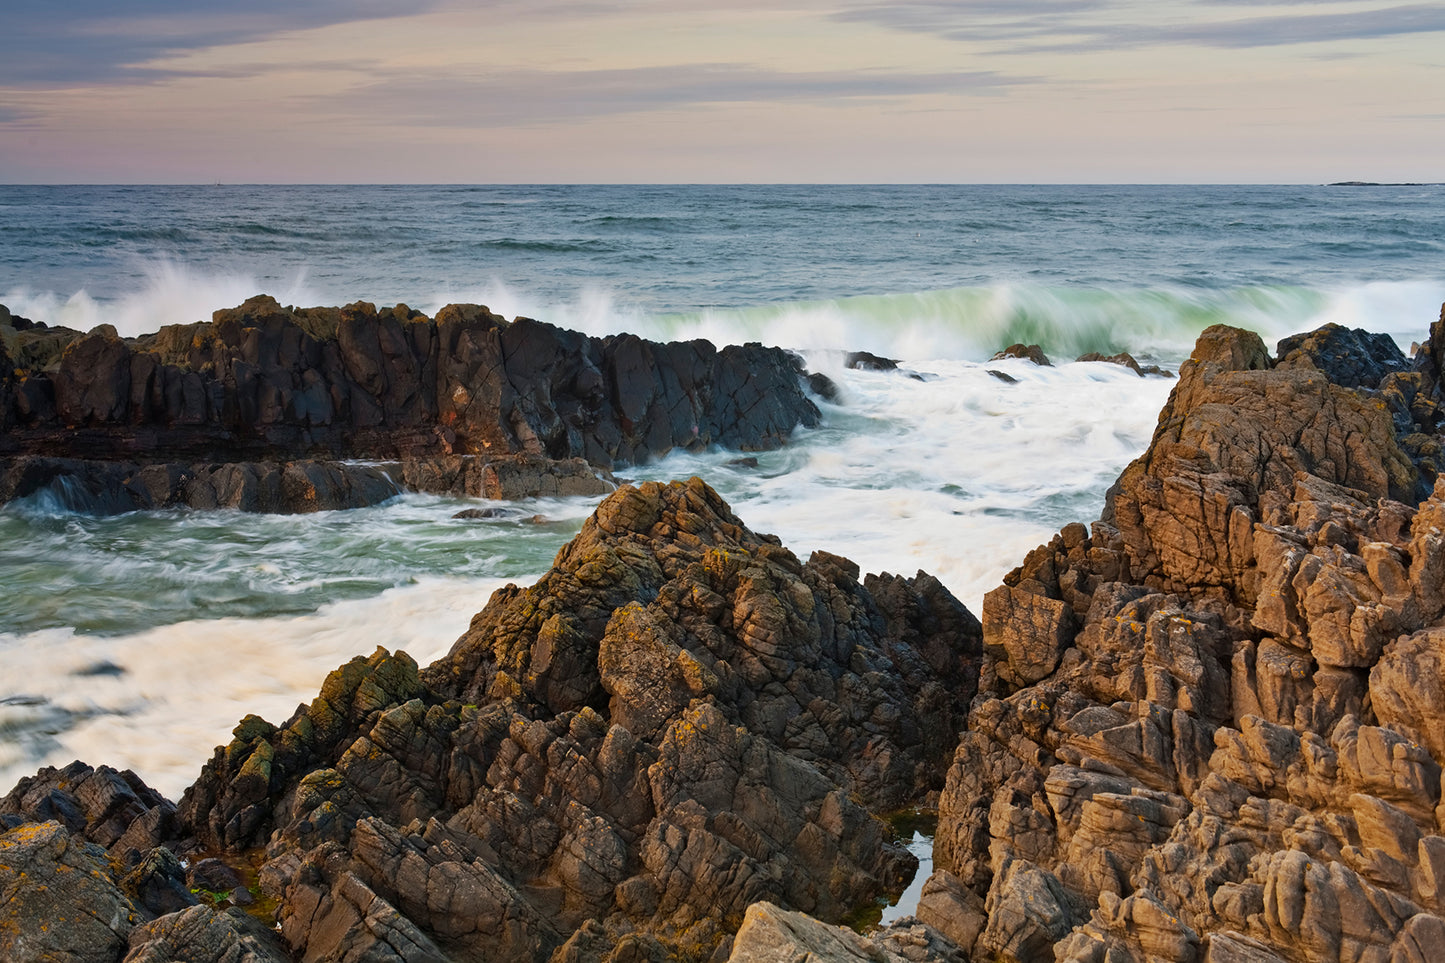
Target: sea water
<point>140,640</point>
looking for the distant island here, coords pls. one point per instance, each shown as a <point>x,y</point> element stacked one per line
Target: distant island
<point>1383,184</point>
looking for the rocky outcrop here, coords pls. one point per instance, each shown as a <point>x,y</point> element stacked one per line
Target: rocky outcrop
<point>1207,726</point>
<point>1029,352</point>
<point>1127,360</point>
<point>679,720</point>
<point>290,487</point>
<point>265,383</point>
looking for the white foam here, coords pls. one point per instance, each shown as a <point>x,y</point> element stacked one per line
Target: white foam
<point>170,292</point>
<point>960,475</point>
<point>183,687</point>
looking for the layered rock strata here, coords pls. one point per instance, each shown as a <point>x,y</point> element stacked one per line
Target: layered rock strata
<point>679,720</point>
<point>265,383</point>
<point>1208,727</point>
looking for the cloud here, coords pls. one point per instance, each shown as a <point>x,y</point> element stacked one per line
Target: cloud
<point>532,97</point>
<point>96,41</point>
<point>11,115</point>
<point>1072,25</point>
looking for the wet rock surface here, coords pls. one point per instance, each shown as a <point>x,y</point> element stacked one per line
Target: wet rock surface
<point>1029,352</point>
<point>1127,360</point>
<point>1207,726</point>
<point>262,383</point>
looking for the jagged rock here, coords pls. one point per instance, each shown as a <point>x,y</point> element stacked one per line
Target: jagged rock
<point>261,382</point>
<point>1208,727</point>
<point>204,934</point>
<point>115,810</point>
<point>1407,689</point>
<point>1127,360</point>
<point>59,898</point>
<point>679,720</point>
<point>1350,358</point>
<point>1030,352</point>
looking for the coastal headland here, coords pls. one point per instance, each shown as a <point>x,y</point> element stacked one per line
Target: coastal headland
<point>1206,727</point>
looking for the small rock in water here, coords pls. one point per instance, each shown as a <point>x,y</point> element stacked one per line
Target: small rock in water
<point>1127,360</point>
<point>1007,379</point>
<point>866,361</point>
<point>482,513</point>
<point>103,667</point>
<point>1029,352</point>
<point>822,386</point>
<point>743,463</point>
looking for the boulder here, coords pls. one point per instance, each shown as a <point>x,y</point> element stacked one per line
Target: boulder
<point>1348,357</point>
<point>1030,352</point>
<point>61,898</point>
<point>770,933</point>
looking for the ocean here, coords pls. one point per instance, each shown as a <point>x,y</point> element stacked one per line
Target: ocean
<point>140,640</point>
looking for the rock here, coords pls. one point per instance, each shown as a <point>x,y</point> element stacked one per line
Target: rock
<point>1207,725</point>
<point>115,810</point>
<point>214,875</point>
<point>679,720</point>
<point>1407,689</point>
<point>823,386</point>
<point>114,487</point>
<point>265,384</point>
<point>1350,358</point>
<point>864,361</point>
<point>525,476</point>
<point>204,934</point>
<point>1127,360</point>
<point>770,933</point>
<point>158,883</point>
<point>1031,352</point>
<point>61,898</point>
<point>480,513</point>
<point>1007,379</point>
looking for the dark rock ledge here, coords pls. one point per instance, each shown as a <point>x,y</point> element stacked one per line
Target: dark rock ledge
<point>264,407</point>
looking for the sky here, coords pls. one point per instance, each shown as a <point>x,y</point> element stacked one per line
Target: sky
<point>679,91</point>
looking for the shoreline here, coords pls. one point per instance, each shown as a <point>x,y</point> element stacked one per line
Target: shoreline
<point>1137,668</point>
